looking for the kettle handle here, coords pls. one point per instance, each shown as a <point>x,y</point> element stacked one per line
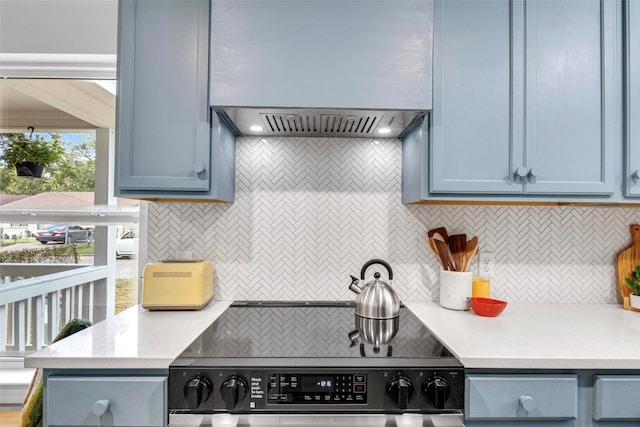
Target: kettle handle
<point>376,261</point>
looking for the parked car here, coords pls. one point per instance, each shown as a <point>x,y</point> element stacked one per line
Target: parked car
<point>127,244</point>
<point>63,234</point>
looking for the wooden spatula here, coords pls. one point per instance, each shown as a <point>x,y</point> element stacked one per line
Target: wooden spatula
<point>472,250</point>
<point>458,247</point>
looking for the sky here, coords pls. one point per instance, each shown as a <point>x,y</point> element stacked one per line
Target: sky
<point>72,138</point>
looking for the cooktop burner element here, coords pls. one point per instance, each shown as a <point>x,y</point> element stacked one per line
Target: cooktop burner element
<point>314,357</point>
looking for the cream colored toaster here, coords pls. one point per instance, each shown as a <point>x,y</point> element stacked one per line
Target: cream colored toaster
<point>177,285</point>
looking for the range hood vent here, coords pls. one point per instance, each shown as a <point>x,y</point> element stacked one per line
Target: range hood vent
<point>320,122</point>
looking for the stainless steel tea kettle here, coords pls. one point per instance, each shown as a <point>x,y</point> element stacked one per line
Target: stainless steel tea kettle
<point>376,299</point>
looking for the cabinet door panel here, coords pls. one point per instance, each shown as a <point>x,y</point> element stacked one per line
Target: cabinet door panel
<point>632,95</point>
<point>163,113</point>
<point>472,141</point>
<point>570,69</point>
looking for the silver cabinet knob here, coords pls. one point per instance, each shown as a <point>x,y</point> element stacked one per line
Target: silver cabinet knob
<point>198,167</point>
<point>528,403</point>
<point>522,172</point>
<point>635,176</point>
<point>100,407</point>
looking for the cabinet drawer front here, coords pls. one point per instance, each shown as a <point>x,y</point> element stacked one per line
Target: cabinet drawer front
<point>502,397</point>
<point>615,397</point>
<point>129,401</point>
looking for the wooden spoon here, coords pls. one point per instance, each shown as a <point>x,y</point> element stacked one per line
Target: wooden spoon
<point>442,231</point>
<point>443,250</point>
<point>434,248</point>
<point>472,250</point>
<point>458,247</point>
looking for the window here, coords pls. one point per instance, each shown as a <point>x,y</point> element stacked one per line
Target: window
<point>70,207</point>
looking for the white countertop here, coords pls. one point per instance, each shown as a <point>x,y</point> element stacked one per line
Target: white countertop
<point>524,336</point>
<point>133,339</point>
<point>538,336</point>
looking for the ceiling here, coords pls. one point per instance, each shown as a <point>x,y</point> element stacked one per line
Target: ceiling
<point>56,105</point>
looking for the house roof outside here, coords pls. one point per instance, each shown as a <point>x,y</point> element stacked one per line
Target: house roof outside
<point>10,198</point>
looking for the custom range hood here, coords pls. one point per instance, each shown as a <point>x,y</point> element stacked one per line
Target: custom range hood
<point>354,68</point>
<point>320,122</point>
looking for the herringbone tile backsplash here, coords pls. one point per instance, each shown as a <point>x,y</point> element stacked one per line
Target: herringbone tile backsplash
<point>311,211</point>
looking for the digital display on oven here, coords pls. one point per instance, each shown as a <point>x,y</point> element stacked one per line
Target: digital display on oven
<point>317,389</point>
<point>313,383</point>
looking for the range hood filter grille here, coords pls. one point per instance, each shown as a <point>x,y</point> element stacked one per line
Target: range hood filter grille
<point>325,122</point>
<point>320,124</point>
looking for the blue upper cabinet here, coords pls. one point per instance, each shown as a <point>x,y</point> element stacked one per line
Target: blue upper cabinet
<point>471,129</point>
<point>168,143</point>
<point>632,97</point>
<point>524,95</point>
<point>570,67</point>
<point>365,54</point>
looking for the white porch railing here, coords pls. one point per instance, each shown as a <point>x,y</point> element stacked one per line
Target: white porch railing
<point>37,300</point>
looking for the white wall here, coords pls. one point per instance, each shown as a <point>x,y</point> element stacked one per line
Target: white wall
<point>58,26</point>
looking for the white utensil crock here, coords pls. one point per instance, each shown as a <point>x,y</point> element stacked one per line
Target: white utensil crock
<point>455,289</point>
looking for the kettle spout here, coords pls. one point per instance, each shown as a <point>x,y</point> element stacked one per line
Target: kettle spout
<point>354,286</point>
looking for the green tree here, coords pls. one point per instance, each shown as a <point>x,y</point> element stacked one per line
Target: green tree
<point>75,172</point>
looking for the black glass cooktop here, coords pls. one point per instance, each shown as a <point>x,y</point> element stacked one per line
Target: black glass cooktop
<point>310,330</point>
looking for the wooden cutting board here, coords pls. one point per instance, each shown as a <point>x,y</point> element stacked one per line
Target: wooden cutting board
<point>627,260</point>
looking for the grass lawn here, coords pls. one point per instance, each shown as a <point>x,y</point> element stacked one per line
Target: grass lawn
<point>85,249</point>
<point>9,242</point>
<point>126,294</point>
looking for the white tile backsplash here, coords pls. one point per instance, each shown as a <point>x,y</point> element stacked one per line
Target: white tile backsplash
<point>311,211</point>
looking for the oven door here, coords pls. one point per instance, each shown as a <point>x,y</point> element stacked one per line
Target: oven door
<point>316,420</point>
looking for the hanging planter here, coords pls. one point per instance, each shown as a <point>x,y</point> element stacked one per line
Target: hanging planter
<point>29,169</point>
<point>29,155</point>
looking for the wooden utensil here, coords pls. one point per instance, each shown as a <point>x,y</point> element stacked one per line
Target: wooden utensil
<point>472,250</point>
<point>434,248</point>
<point>458,247</point>
<point>626,262</point>
<point>442,231</point>
<point>443,250</point>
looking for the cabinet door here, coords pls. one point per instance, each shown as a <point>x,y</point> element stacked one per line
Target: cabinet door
<point>632,97</point>
<point>569,108</point>
<point>163,131</point>
<point>472,134</point>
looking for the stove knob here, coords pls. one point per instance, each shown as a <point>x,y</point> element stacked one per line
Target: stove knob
<point>436,390</point>
<point>400,391</point>
<point>196,391</point>
<point>233,390</point>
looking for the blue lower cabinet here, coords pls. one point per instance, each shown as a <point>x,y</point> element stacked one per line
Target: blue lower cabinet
<point>521,398</point>
<point>101,400</point>
<point>616,397</point>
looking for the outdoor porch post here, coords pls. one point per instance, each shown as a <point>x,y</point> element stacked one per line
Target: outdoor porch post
<point>104,298</point>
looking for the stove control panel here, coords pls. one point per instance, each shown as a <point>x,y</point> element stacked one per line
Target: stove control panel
<point>331,388</point>
<point>279,390</point>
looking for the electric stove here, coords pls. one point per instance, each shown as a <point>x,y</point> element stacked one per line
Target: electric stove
<point>314,357</point>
